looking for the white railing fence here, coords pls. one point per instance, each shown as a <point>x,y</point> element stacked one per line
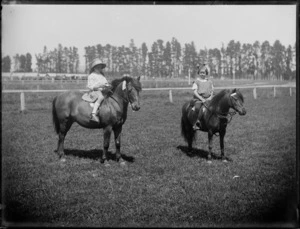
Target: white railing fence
<point>23,107</point>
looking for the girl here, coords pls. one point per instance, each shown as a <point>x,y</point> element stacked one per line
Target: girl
<point>96,82</point>
<point>203,90</point>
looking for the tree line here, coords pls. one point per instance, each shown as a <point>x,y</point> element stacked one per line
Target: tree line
<point>169,60</point>
<point>22,63</point>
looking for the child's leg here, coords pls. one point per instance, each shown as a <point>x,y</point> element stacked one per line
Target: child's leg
<point>197,124</point>
<point>96,106</point>
<point>97,103</point>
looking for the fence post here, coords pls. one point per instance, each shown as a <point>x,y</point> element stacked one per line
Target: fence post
<point>22,98</point>
<point>170,96</point>
<point>274,92</point>
<point>290,91</point>
<point>254,93</point>
<point>37,87</point>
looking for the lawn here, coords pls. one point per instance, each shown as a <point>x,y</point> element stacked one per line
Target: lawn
<point>160,185</point>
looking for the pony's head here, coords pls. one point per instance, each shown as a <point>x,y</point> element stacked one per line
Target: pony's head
<point>237,101</point>
<point>131,88</point>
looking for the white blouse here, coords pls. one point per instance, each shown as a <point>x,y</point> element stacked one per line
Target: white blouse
<point>96,81</point>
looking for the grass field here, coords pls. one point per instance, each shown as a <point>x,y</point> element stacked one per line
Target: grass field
<point>160,185</point>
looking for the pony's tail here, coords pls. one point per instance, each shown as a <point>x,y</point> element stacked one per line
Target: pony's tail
<point>187,128</point>
<point>54,117</point>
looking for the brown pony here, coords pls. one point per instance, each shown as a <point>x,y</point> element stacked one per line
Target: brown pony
<point>69,107</point>
<point>214,119</point>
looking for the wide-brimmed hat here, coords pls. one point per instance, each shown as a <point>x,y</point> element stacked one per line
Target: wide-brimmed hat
<point>98,62</point>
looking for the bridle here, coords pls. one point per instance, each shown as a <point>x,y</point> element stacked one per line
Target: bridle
<point>126,99</point>
<point>220,115</point>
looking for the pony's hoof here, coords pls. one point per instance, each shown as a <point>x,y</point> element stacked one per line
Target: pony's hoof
<point>102,161</point>
<point>209,162</point>
<point>63,160</point>
<point>122,163</point>
<point>224,160</point>
<point>106,164</point>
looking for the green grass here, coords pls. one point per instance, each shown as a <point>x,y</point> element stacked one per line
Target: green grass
<point>162,186</point>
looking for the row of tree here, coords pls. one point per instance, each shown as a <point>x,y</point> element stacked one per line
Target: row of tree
<point>22,63</point>
<point>60,60</point>
<point>257,61</point>
<point>169,60</point>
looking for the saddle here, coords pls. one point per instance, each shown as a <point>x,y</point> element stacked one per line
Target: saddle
<point>194,101</point>
<point>91,96</point>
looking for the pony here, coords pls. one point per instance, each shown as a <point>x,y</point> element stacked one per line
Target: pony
<point>69,107</point>
<point>216,116</point>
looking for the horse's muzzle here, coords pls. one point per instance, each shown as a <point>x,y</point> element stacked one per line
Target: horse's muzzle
<point>135,107</point>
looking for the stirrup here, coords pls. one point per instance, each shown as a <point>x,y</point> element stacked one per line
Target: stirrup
<point>197,126</point>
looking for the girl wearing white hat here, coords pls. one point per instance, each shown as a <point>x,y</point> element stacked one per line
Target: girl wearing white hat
<point>96,82</point>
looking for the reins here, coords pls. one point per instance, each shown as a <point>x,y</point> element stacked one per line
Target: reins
<point>227,116</point>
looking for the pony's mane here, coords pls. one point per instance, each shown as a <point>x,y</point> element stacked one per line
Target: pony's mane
<point>134,83</point>
<point>240,95</point>
<point>216,99</point>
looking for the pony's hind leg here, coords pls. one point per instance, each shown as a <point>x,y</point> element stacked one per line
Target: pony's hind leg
<point>222,135</point>
<point>64,127</point>
<point>210,139</point>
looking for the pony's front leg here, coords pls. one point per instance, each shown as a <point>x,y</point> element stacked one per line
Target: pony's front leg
<point>117,133</point>
<point>210,138</point>
<point>107,132</point>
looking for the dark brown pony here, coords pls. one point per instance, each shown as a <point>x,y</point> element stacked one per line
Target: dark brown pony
<point>69,107</point>
<point>215,117</point>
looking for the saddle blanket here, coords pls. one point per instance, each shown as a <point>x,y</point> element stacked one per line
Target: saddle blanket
<point>90,97</point>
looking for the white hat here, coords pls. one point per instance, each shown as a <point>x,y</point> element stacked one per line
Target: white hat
<point>98,62</point>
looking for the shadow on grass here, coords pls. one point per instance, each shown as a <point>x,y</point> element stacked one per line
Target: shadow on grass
<point>200,153</point>
<point>96,154</point>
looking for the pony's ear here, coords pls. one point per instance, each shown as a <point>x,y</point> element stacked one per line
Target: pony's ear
<point>124,85</point>
<point>233,92</point>
<point>139,77</point>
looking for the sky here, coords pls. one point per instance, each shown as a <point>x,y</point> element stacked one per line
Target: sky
<point>28,28</point>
